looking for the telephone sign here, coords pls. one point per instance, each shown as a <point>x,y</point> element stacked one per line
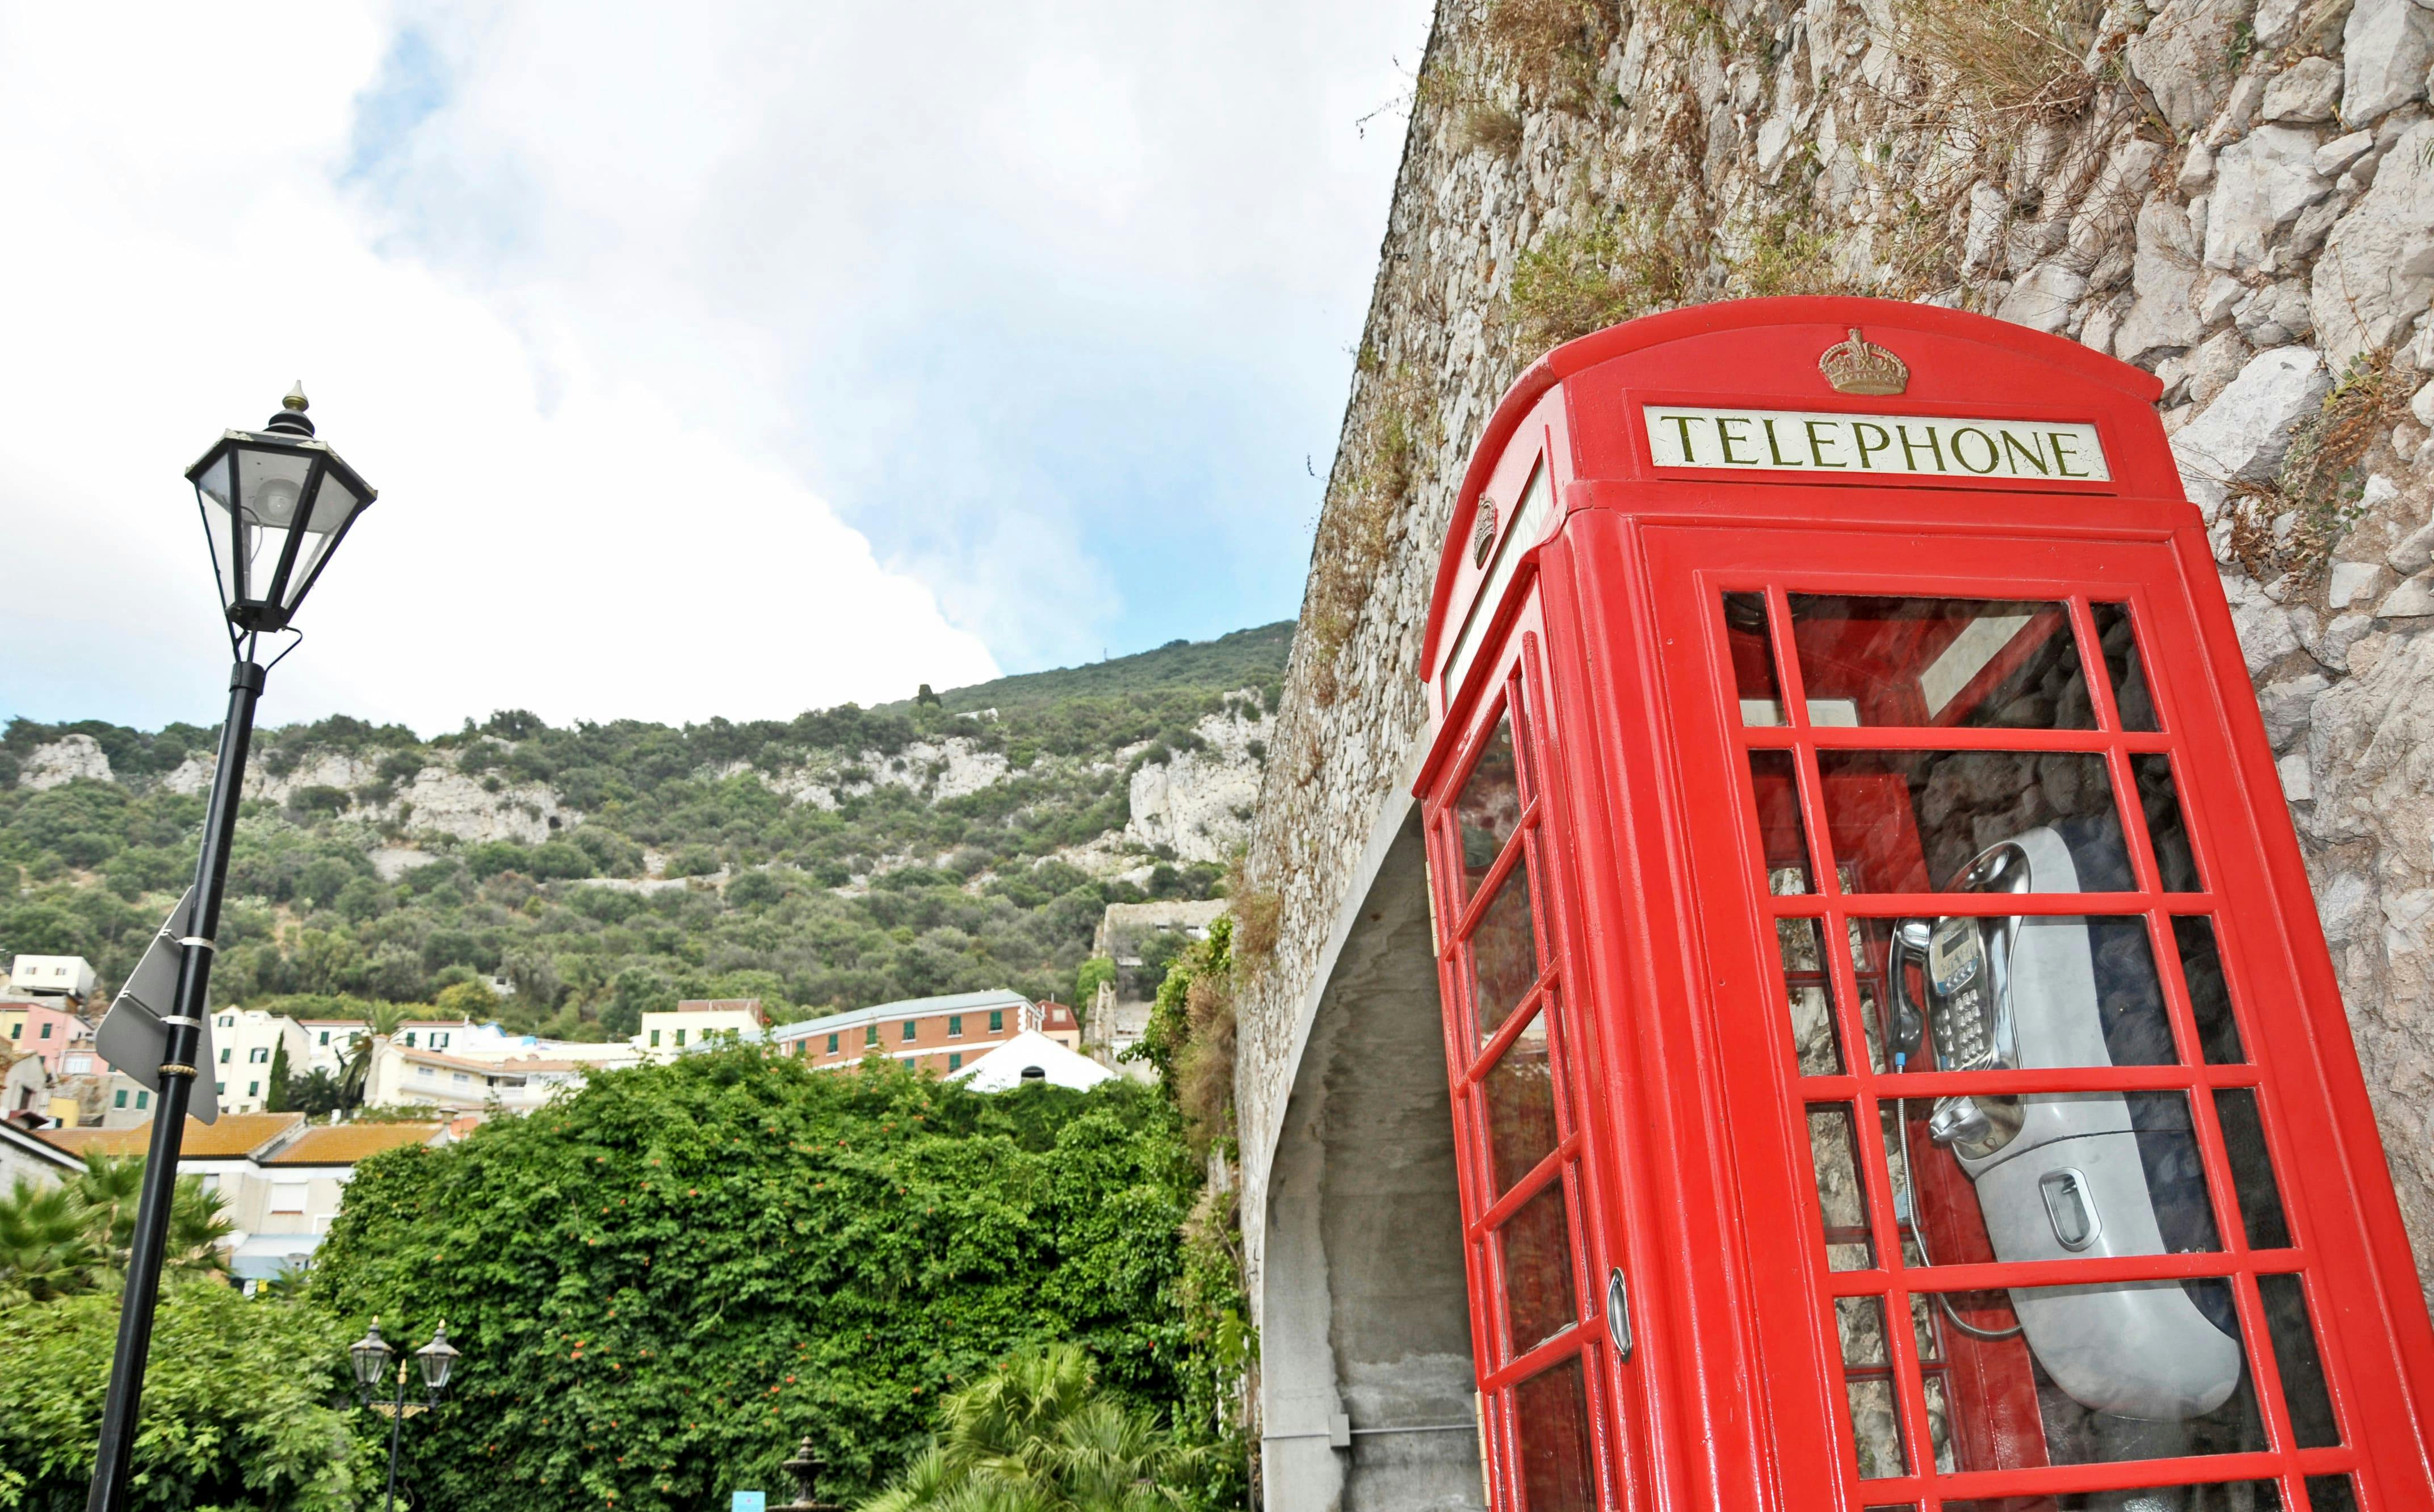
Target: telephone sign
<point>1895,1061</point>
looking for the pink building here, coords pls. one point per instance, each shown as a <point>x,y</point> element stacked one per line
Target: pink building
<point>44,1027</point>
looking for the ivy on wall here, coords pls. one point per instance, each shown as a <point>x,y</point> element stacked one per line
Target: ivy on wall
<point>661,1284</point>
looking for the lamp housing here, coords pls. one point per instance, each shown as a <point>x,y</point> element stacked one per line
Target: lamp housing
<point>436,1359</point>
<point>370,1355</point>
<point>275,503</point>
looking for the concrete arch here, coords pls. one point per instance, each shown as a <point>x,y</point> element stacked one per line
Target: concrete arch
<point>1366,1384</point>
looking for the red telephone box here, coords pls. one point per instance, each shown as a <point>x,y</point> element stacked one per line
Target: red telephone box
<point>1895,1060</point>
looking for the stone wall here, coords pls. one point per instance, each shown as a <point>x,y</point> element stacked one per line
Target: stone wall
<point>2237,194</point>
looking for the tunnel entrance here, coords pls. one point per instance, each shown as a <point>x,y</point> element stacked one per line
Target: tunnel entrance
<point>1366,1383</point>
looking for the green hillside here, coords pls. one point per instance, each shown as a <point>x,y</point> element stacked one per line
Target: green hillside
<point>846,856</point>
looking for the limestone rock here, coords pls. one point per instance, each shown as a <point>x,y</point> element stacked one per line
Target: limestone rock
<point>2385,50</point>
<point>2179,57</point>
<point>2262,182</point>
<point>63,760</point>
<point>2297,784</point>
<point>2265,633</point>
<point>2351,581</point>
<point>2275,20</point>
<point>2043,298</point>
<point>2377,273</point>
<point>2287,705</point>
<point>2214,367</point>
<point>2243,433</point>
<point>2304,91</point>
<point>2341,151</point>
<point>452,802</point>
<point>1200,802</point>
<point>2413,599</point>
<point>2164,273</point>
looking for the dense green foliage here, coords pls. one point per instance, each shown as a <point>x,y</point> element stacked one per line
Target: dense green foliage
<point>245,1406</point>
<point>662,1284</point>
<point>1036,1434</point>
<point>898,891</point>
<point>58,1240</point>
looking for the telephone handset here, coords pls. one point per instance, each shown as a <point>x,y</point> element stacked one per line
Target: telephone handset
<point>2059,1174</point>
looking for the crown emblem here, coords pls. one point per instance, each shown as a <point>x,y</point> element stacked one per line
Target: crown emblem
<point>1482,531</point>
<point>1861,367</point>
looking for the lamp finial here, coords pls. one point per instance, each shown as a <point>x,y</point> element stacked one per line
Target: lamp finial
<point>296,400</point>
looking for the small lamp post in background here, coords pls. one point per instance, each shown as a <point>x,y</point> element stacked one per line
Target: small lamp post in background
<point>370,1356</point>
<point>275,505</point>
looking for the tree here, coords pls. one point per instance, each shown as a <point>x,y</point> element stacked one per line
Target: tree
<point>354,1077</point>
<point>58,1240</point>
<point>316,1094</point>
<point>47,1248</point>
<point>1038,1435</point>
<point>703,1261</point>
<point>471,1001</point>
<point>276,1101</point>
<point>237,1405</point>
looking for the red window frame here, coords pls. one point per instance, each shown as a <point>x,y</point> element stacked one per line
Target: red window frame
<point>2266,984</point>
<point>1558,997</point>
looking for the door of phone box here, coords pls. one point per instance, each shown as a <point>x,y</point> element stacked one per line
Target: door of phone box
<point>1895,1060</point>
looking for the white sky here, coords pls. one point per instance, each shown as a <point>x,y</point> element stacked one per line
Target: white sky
<point>711,359</point>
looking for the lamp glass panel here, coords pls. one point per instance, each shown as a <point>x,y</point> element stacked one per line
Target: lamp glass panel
<point>370,1356</point>
<point>270,499</point>
<point>213,488</point>
<point>334,505</point>
<point>436,1359</point>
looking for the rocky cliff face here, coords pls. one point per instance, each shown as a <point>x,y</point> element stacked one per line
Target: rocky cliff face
<point>2236,195</point>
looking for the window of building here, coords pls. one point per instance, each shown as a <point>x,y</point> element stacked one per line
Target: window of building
<point>46,1030</point>
<point>287,1197</point>
<point>219,1089</point>
<point>79,1065</point>
<point>142,1101</point>
<point>680,1038</point>
<point>409,1039</point>
<point>258,1055</point>
<point>121,1100</point>
<point>325,1036</point>
<point>17,1030</point>
<point>870,1035</point>
<point>912,1027</point>
<point>439,1041</point>
<point>253,1088</point>
<point>655,1039</point>
<point>224,1052</point>
<point>832,1044</point>
<point>956,1061</point>
<point>997,1019</point>
<point>954,1025</point>
<point>227,1021</point>
<point>462,1077</point>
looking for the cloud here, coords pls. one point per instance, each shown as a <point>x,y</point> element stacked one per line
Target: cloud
<point>716,359</point>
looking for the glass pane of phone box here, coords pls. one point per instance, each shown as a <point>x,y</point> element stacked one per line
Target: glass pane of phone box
<point>1955,662</point>
<point>2103,1374</point>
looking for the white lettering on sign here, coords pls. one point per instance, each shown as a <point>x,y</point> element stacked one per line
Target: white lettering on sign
<point>1791,440</point>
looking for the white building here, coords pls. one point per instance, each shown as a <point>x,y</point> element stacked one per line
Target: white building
<point>437,1079</point>
<point>32,1159</point>
<point>248,1041</point>
<point>328,1042</point>
<point>52,976</point>
<point>697,1022</point>
<point>281,1178</point>
<point>1032,1057</point>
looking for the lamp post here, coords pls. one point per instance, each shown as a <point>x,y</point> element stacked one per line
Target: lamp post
<point>370,1356</point>
<point>275,503</point>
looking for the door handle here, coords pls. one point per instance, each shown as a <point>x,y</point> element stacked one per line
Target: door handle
<point>1618,1312</point>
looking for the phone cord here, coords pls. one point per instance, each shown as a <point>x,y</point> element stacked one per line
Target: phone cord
<point>1918,1227</point>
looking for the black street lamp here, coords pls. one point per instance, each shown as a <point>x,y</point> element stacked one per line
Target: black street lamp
<point>275,503</point>
<point>370,1356</point>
